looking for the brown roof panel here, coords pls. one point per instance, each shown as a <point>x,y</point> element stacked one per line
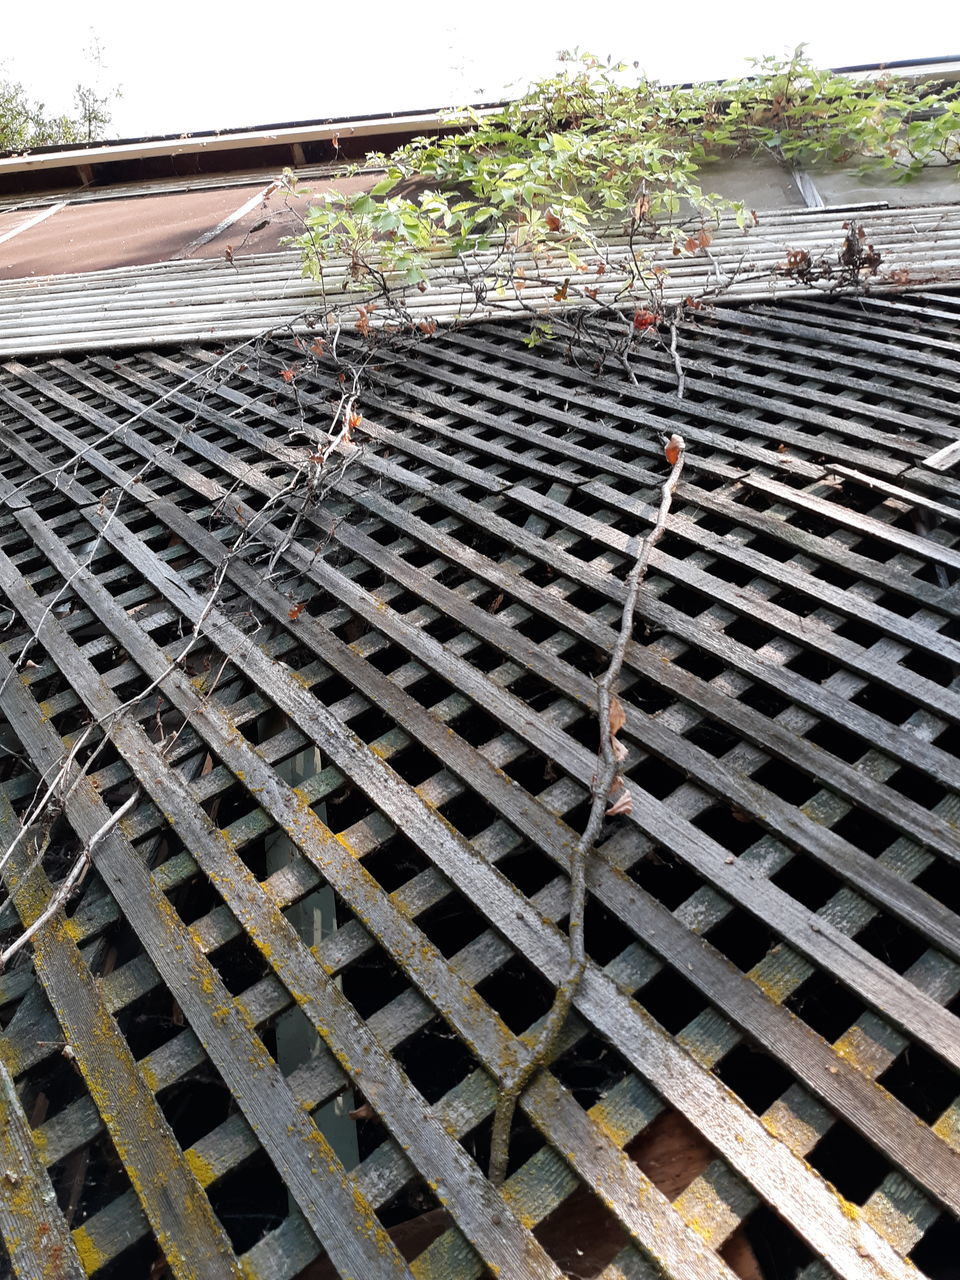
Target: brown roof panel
<point>134,231</point>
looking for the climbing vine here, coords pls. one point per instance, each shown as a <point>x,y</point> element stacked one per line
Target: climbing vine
<point>592,153</point>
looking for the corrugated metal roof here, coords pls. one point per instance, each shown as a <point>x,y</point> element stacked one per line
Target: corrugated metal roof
<point>351,737</point>
<point>186,301</point>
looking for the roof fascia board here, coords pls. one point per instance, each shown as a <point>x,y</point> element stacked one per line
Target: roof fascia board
<point>110,153</point>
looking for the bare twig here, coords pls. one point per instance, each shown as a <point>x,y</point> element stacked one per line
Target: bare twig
<point>611,796</point>
<point>70,881</point>
<point>676,359</point>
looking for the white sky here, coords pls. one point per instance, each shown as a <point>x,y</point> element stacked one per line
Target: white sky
<point>191,66</point>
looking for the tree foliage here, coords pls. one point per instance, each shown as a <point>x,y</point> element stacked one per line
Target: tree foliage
<point>590,152</point>
<point>25,123</point>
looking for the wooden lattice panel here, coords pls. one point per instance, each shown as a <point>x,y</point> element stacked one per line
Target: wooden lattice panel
<point>389,696</point>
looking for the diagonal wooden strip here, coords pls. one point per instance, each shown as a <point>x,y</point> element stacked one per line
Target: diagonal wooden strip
<point>678,1247</point>
<point>859,565</point>
<point>829,1075</point>
<point>867,976</point>
<point>846,345</point>
<point>868,526</point>
<point>896,491</point>
<point>469,1196</point>
<point>35,1233</point>
<point>312,1172</point>
<point>192,1240</point>
<point>706,1101</point>
<point>32,222</point>
<point>874,982</point>
<point>258,198</point>
<point>943,458</point>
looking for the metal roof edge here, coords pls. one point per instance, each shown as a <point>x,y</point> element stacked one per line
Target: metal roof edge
<point>193,144</point>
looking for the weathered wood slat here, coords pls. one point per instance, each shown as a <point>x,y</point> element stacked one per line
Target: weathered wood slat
<point>170,1195</point>
<point>488,451</point>
<point>924,548</point>
<point>488,896</point>
<point>845,335</point>
<point>35,1233</point>
<point>375,1075</point>
<point>250,654</point>
<point>945,1040</point>
<point>908,496</point>
<point>623,898</point>
<point>859,565</point>
<point>724,339</point>
<point>311,1170</point>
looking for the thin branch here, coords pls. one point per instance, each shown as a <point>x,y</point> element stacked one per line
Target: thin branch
<point>70,881</point>
<point>608,785</point>
<point>676,359</point>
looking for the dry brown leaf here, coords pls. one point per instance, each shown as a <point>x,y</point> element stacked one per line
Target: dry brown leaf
<point>621,805</point>
<point>618,716</point>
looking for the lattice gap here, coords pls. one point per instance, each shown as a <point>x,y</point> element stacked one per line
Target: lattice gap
<point>366,781</point>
